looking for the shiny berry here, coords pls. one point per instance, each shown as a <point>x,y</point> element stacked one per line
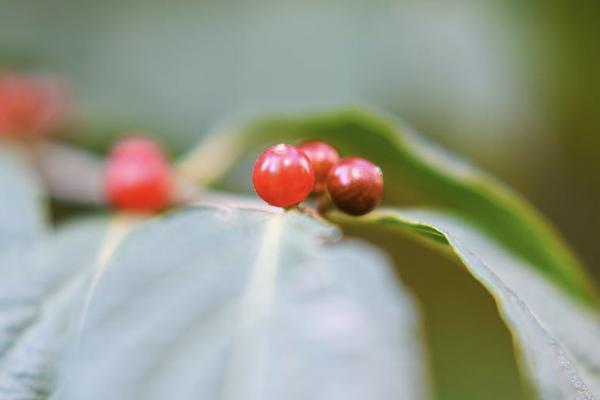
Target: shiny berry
<point>31,105</point>
<point>283,175</point>
<point>355,185</point>
<point>137,177</point>
<point>323,158</point>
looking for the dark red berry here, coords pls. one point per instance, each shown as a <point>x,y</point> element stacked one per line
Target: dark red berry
<point>31,105</point>
<point>355,185</point>
<point>283,175</point>
<point>323,158</point>
<point>137,177</point>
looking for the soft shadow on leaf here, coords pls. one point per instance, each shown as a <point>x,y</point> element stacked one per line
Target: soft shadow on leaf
<point>239,304</point>
<point>555,337</point>
<point>416,172</point>
<point>22,216</point>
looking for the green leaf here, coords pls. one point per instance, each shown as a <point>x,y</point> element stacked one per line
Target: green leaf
<point>416,172</point>
<point>40,303</point>
<point>556,337</point>
<point>22,216</point>
<point>210,303</point>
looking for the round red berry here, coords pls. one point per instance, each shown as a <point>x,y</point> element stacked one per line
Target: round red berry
<point>323,158</point>
<point>137,177</point>
<point>355,185</point>
<point>283,175</point>
<point>31,104</point>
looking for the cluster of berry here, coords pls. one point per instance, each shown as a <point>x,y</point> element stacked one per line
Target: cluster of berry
<point>285,175</point>
<point>137,174</point>
<point>137,177</point>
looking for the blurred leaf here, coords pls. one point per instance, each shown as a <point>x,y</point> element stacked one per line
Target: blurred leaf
<point>245,305</point>
<point>415,172</point>
<point>555,336</point>
<point>41,290</point>
<point>231,304</point>
<point>22,215</point>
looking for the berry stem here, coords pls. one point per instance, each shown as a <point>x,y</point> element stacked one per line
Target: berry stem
<point>69,173</point>
<point>309,211</point>
<point>324,203</point>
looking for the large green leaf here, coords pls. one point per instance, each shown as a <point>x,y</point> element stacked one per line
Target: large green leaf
<point>556,337</point>
<point>207,303</point>
<point>238,304</point>
<point>22,216</point>
<point>415,172</point>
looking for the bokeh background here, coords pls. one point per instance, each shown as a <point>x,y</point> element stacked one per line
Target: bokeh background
<point>512,85</point>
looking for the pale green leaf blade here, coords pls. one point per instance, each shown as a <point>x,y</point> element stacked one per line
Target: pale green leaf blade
<point>240,304</point>
<point>556,337</point>
<point>22,215</point>
<point>41,292</point>
<point>415,172</point>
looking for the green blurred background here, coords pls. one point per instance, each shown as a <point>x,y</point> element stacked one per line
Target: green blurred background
<point>512,85</point>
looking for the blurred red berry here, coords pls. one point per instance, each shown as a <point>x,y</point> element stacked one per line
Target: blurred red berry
<point>137,177</point>
<point>31,105</point>
<point>355,185</point>
<point>283,175</point>
<point>323,158</point>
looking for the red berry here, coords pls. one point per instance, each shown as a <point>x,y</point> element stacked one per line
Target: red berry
<point>283,175</point>
<point>323,158</point>
<point>355,185</point>
<point>137,177</point>
<point>31,105</point>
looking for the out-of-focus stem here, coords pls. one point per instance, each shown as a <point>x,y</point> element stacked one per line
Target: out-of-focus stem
<point>324,203</point>
<point>69,173</point>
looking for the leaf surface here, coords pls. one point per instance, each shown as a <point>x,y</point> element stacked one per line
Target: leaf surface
<point>555,336</point>
<point>22,216</point>
<point>41,294</point>
<point>210,303</point>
